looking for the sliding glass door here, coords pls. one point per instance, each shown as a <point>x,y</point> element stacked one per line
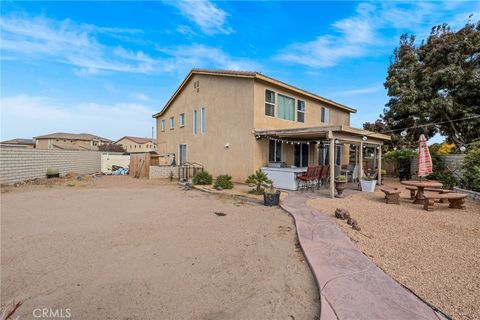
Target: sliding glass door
<point>301,153</point>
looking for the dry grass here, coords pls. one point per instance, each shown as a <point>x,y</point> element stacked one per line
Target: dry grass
<point>436,254</point>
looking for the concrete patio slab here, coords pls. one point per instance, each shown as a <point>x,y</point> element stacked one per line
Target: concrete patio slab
<point>351,285</point>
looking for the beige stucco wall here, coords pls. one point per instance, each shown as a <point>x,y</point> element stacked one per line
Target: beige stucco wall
<point>234,108</point>
<point>312,119</point>
<point>133,147</point>
<point>45,144</point>
<point>228,104</point>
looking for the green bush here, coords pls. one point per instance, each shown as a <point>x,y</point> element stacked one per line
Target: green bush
<point>203,178</point>
<point>401,154</point>
<point>341,178</point>
<point>224,182</point>
<point>260,180</point>
<point>471,167</point>
<point>441,173</point>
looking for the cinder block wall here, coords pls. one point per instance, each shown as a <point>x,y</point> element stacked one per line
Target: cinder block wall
<point>18,164</point>
<point>163,172</point>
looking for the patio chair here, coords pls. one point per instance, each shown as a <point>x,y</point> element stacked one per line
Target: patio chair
<point>325,174</point>
<point>319,176</point>
<point>308,179</point>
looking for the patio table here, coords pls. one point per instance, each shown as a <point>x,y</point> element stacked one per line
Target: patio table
<point>421,185</point>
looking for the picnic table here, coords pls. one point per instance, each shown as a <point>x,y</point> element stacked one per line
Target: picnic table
<point>421,185</point>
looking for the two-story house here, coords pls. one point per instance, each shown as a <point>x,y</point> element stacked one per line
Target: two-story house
<point>137,144</point>
<point>70,141</point>
<point>235,122</point>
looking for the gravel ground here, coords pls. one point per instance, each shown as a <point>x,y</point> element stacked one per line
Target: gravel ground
<point>436,254</point>
<point>123,248</point>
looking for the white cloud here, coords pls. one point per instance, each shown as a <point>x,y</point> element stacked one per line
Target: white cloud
<point>361,34</point>
<point>71,43</point>
<point>41,38</point>
<point>200,56</point>
<point>41,115</point>
<point>205,14</point>
<point>358,91</point>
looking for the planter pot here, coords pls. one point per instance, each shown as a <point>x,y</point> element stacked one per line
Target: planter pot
<point>368,185</point>
<point>53,173</point>
<point>271,199</point>
<point>340,186</point>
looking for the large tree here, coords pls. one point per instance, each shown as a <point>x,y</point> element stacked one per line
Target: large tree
<point>436,82</point>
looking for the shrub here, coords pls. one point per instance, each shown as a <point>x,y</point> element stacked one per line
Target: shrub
<point>442,173</point>
<point>260,180</point>
<point>341,178</point>
<point>402,154</point>
<point>224,182</point>
<point>471,167</point>
<point>202,178</point>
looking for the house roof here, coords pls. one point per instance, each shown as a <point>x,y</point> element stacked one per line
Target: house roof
<point>74,147</point>
<point>252,75</point>
<point>72,136</point>
<point>138,139</point>
<point>19,141</point>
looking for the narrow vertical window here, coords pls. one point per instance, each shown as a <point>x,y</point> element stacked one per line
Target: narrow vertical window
<point>172,122</point>
<point>275,151</point>
<point>163,125</point>
<point>182,119</point>
<point>269,103</point>
<point>202,119</point>
<point>195,124</point>
<point>325,115</point>
<point>300,111</point>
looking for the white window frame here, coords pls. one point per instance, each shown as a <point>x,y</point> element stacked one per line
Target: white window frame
<point>325,115</point>
<point>203,125</point>
<point>195,122</point>
<point>179,151</point>
<point>300,111</point>
<point>163,125</point>
<point>182,120</point>
<point>270,103</point>
<point>276,144</point>
<point>172,123</point>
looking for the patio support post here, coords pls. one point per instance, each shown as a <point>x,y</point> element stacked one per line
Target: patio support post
<point>360,162</point>
<point>379,165</point>
<point>331,162</point>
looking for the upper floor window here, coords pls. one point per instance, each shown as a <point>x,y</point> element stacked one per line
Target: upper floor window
<point>325,115</point>
<point>163,125</point>
<point>182,119</point>
<point>300,111</point>
<point>172,122</point>
<point>269,103</point>
<point>195,122</point>
<point>202,119</point>
<point>286,107</point>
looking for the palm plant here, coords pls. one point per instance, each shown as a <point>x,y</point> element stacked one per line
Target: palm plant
<point>260,180</point>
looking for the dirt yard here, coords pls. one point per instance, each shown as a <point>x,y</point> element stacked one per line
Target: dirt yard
<point>436,253</point>
<point>120,248</point>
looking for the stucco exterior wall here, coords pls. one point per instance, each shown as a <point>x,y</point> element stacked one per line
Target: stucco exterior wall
<point>228,104</point>
<point>134,147</point>
<point>312,119</point>
<point>48,143</point>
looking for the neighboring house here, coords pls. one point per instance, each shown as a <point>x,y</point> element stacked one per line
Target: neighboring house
<point>235,122</point>
<point>70,141</point>
<point>21,143</point>
<point>137,144</point>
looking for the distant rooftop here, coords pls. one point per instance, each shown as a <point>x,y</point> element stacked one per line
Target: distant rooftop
<point>72,136</point>
<point>19,141</point>
<point>138,139</point>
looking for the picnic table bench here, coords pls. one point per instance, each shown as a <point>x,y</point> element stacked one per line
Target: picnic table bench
<point>392,195</point>
<point>413,191</point>
<point>456,200</point>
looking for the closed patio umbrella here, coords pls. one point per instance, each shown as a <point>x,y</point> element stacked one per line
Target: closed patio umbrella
<point>424,158</point>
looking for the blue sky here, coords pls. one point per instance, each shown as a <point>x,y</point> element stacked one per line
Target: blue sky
<point>106,67</point>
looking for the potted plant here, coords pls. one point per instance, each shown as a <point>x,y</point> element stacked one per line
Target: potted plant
<point>271,197</point>
<point>340,182</point>
<point>260,181</point>
<point>368,183</point>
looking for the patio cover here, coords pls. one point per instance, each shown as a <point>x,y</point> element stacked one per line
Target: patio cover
<point>341,133</point>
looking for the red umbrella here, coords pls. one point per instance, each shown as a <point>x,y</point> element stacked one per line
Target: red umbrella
<point>424,158</point>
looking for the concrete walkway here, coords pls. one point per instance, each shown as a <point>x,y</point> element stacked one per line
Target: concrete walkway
<point>351,286</point>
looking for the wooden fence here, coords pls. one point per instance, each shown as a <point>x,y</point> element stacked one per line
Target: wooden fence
<point>140,165</point>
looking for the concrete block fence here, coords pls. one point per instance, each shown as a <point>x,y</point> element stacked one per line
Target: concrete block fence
<point>163,172</point>
<point>18,164</point>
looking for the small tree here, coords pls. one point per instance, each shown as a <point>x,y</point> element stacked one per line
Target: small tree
<point>260,180</point>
